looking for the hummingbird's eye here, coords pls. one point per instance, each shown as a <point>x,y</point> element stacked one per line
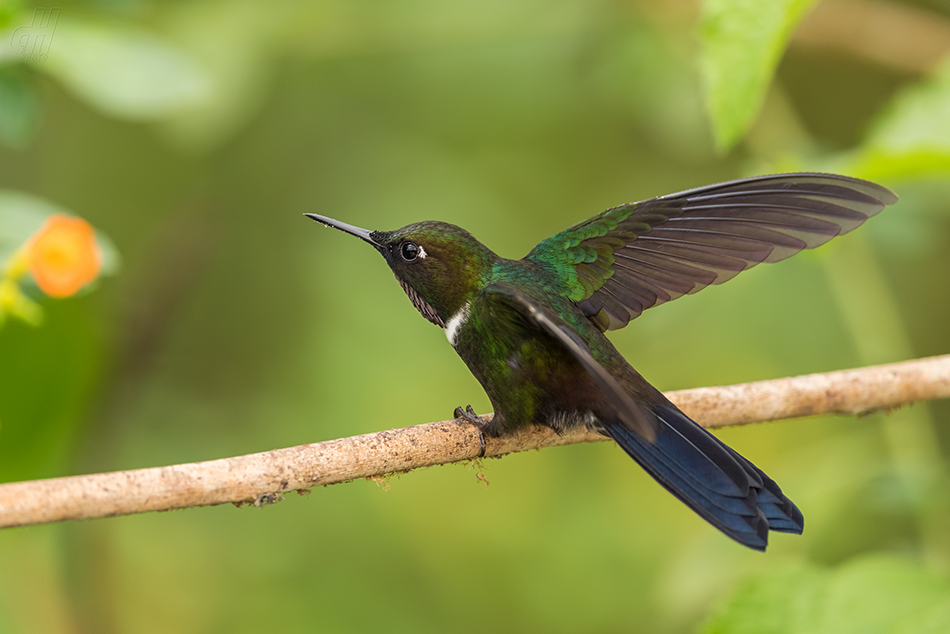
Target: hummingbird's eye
<point>410,251</point>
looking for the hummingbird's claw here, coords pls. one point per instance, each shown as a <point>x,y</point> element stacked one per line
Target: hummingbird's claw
<point>468,414</point>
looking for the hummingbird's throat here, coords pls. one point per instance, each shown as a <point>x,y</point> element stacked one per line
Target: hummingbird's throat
<point>421,305</point>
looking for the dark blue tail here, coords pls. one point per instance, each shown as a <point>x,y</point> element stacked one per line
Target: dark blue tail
<point>709,477</point>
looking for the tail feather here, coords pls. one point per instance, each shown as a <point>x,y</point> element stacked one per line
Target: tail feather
<point>785,514</point>
<point>780,525</point>
<point>708,476</point>
<point>736,517</point>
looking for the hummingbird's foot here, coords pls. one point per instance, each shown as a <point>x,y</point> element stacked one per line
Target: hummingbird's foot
<point>468,414</point>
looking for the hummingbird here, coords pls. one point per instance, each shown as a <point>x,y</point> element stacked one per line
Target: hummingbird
<point>532,330</point>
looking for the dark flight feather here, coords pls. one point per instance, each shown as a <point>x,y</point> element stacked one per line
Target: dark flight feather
<point>642,254</point>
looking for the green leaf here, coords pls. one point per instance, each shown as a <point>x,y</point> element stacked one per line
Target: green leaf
<point>42,401</point>
<point>234,53</point>
<point>875,594</point>
<point>742,42</point>
<point>9,9</point>
<point>918,118</point>
<point>912,138</point>
<point>769,606</point>
<point>124,71</point>
<point>21,215</point>
<point>19,107</point>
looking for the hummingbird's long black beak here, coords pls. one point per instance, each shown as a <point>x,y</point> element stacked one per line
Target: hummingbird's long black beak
<point>362,234</point>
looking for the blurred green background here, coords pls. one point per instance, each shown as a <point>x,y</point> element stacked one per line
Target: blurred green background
<point>195,134</point>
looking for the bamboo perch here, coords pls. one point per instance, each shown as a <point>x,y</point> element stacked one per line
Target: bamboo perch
<point>262,477</point>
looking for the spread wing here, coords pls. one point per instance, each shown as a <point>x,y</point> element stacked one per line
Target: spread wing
<point>639,255</point>
<point>515,304</point>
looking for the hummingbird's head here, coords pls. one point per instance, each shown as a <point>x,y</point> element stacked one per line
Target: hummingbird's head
<point>440,266</point>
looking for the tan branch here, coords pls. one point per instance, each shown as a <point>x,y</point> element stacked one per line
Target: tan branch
<point>263,477</point>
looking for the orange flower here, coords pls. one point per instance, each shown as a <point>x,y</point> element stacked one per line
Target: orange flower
<point>63,255</point>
